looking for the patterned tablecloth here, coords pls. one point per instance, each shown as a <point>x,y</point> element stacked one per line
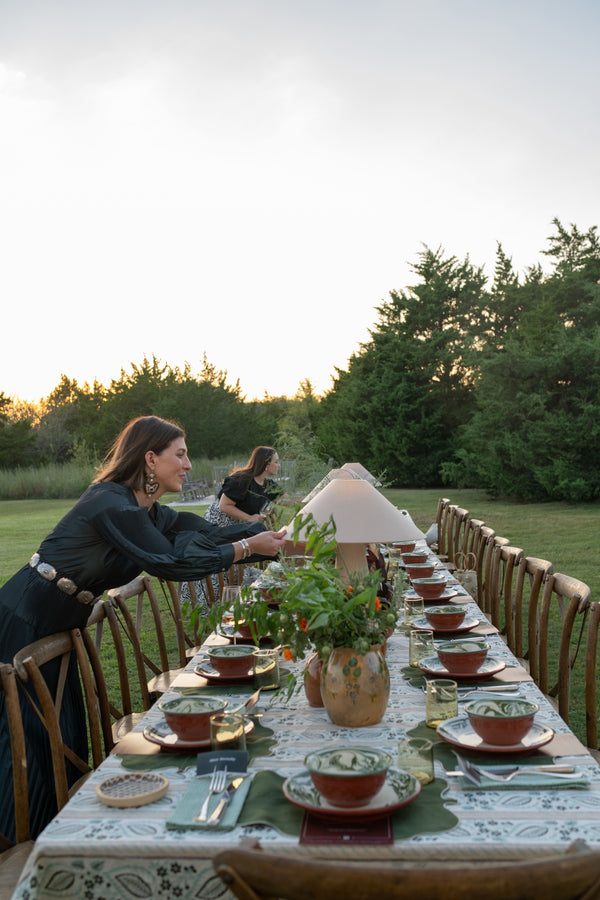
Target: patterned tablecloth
<point>93,852</point>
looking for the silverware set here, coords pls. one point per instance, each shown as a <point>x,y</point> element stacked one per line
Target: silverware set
<point>218,785</point>
<point>505,774</point>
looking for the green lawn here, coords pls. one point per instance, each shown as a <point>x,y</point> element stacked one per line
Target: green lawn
<point>566,535</point>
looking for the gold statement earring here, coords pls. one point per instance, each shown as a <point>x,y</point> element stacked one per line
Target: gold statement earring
<point>150,485</point>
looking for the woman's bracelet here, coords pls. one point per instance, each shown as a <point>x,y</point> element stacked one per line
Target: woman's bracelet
<point>246,551</point>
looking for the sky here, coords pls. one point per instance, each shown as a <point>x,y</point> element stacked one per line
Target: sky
<point>247,180</point>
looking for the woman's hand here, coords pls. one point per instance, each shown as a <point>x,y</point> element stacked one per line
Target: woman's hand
<point>268,543</point>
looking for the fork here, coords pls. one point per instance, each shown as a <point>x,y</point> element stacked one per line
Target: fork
<point>217,784</point>
<point>507,773</point>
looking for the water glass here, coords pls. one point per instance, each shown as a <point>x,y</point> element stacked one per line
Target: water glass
<point>227,732</point>
<point>415,755</point>
<point>420,645</point>
<point>266,669</point>
<point>442,701</point>
<point>414,607</point>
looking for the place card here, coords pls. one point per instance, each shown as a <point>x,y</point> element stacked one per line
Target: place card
<point>320,831</point>
<point>233,760</point>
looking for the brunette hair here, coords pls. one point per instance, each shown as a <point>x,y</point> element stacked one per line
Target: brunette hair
<point>125,461</point>
<point>256,465</point>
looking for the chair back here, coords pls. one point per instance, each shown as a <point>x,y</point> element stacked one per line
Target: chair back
<point>256,875</point>
<point>457,526</point>
<point>532,574</point>
<point>64,647</point>
<point>441,520</point>
<point>504,566</point>
<point>591,659</point>
<point>14,723</point>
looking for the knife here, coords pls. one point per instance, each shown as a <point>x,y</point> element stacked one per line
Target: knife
<point>224,800</point>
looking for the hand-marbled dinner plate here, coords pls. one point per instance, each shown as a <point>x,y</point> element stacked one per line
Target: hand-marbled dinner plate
<point>205,670</point>
<point>400,788</point>
<point>459,732</point>
<point>160,733</point>
<point>448,594</point>
<point>431,665</point>
<point>422,624</point>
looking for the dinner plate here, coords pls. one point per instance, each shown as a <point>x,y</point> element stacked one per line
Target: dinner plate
<point>447,595</point>
<point>432,666</point>
<point>460,732</point>
<point>400,788</point>
<point>421,624</point>
<point>160,733</point>
<point>205,670</point>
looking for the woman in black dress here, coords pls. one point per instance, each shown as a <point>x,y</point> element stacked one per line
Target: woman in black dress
<point>116,530</point>
<point>247,492</point>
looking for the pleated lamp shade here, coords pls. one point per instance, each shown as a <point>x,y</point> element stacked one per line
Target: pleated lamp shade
<point>362,515</point>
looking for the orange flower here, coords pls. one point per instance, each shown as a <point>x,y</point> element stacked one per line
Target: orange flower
<point>377,604</point>
<point>287,654</point>
<point>350,591</point>
<point>302,624</point>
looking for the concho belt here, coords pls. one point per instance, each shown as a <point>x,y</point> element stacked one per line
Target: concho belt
<point>66,585</point>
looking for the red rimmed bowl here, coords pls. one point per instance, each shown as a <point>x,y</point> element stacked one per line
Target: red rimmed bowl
<point>463,657</point>
<point>348,776</point>
<point>445,618</point>
<point>404,546</point>
<point>232,660</point>
<point>501,722</point>
<point>416,556</point>
<point>429,588</point>
<point>419,570</point>
<point>189,717</point>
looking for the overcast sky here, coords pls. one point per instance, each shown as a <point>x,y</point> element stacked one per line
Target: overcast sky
<point>249,180</point>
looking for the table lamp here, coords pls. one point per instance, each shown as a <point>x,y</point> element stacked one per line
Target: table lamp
<point>362,516</point>
<point>331,476</point>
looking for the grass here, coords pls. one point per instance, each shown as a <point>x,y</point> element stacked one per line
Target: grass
<point>564,534</point>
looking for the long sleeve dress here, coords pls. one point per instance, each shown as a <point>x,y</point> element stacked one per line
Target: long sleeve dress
<point>104,541</point>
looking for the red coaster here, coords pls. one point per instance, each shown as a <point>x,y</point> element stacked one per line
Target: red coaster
<point>320,831</point>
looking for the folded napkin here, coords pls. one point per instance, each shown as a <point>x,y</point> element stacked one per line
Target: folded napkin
<point>538,781</point>
<point>191,803</point>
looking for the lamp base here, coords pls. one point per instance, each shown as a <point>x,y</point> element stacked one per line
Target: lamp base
<point>351,559</point>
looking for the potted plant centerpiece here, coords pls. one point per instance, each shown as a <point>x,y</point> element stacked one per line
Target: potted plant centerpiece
<point>342,621</point>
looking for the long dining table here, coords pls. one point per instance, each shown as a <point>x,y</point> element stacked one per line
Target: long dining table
<point>96,852</point>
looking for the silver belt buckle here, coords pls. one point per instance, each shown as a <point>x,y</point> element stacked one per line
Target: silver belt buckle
<point>67,586</point>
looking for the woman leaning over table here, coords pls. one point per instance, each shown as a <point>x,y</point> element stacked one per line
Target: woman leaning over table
<point>116,530</point>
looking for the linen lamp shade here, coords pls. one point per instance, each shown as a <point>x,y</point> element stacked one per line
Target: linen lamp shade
<point>362,515</point>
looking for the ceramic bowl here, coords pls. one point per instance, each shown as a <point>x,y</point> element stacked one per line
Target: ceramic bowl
<point>189,717</point>
<point>419,570</point>
<point>404,546</point>
<point>348,776</point>
<point>429,588</point>
<point>445,618</point>
<point>462,657</point>
<point>416,556</point>
<point>232,660</point>
<point>501,722</point>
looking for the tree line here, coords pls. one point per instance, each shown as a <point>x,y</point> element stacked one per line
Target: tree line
<point>462,383</point>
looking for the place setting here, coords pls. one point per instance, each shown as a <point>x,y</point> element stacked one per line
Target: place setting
<point>240,664</point>
<point>462,659</point>
<point>187,721</point>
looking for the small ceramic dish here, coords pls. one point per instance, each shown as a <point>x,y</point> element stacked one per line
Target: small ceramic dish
<point>232,659</point>
<point>417,556</point>
<point>445,618</point>
<point>404,546</point>
<point>189,716</point>
<point>429,588</point>
<point>348,776</point>
<point>463,656</point>
<point>501,721</point>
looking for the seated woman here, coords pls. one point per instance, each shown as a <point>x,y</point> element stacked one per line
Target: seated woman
<point>243,498</point>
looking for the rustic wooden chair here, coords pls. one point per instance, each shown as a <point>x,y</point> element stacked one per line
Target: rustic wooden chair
<point>47,704</point>
<point>133,699</point>
<point>591,702</point>
<point>471,535</point>
<point>255,875</point>
<point>457,526</point>
<point>14,850</point>
<point>441,520</point>
<point>563,599</point>
<point>532,574</point>
<point>151,650</point>
<point>505,561</point>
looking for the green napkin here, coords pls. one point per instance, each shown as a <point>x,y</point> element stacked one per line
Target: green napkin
<point>191,803</point>
<point>527,781</point>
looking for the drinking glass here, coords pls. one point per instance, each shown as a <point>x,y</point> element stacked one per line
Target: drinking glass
<point>266,669</point>
<point>227,731</point>
<point>416,756</point>
<point>413,608</point>
<point>420,645</point>
<point>442,701</point>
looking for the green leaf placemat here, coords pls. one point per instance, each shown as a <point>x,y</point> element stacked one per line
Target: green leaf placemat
<point>258,743</point>
<point>267,805</point>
